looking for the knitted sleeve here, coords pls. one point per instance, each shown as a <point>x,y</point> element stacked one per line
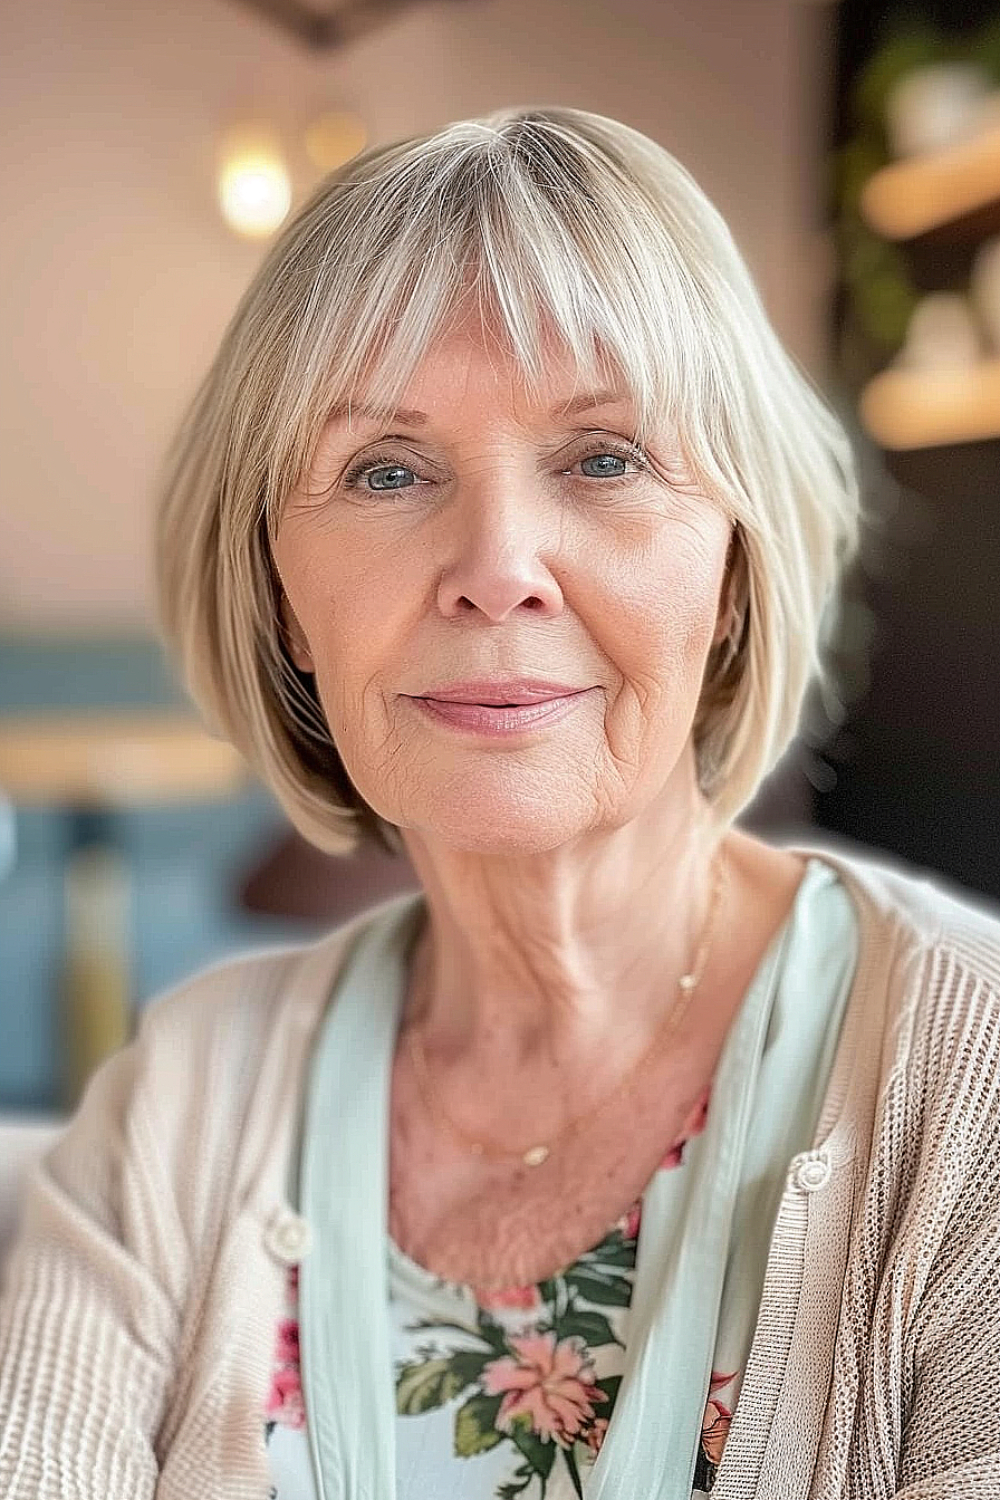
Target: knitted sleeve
<point>951,1439</point>
<point>90,1303</point>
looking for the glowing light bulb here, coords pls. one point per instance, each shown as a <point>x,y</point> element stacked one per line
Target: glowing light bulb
<point>255,190</point>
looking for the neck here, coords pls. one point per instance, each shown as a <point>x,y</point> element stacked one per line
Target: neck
<point>554,955</point>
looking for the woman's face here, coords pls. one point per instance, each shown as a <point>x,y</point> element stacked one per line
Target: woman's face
<point>481,550</point>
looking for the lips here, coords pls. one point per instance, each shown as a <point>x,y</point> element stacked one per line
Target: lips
<point>499,709</point>
<point>500,694</point>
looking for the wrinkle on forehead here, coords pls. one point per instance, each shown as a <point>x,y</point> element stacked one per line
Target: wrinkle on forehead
<point>406,416</point>
<point>562,377</point>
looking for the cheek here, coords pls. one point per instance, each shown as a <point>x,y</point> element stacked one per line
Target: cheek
<point>342,619</point>
<point>656,627</point>
<point>340,592</point>
<point>662,614</point>
<point>350,650</point>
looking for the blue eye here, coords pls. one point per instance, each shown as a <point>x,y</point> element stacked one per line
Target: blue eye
<point>385,476</point>
<point>604,462</point>
<point>384,473</point>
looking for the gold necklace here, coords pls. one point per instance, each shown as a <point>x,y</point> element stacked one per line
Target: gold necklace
<point>535,1155</point>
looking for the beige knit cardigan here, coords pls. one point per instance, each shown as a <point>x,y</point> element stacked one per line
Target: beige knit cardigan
<point>140,1300</point>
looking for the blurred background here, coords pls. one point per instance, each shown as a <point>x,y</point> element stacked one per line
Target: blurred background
<point>146,154</point>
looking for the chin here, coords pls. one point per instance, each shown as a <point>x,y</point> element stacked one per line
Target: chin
<point>512,842</point>
<point>488,822</point>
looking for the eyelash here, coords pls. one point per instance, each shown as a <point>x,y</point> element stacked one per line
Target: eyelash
<point>386,460</point>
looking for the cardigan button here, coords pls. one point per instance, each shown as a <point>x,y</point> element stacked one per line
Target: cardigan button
<point>813,1172</point>
<point>288,1236</point>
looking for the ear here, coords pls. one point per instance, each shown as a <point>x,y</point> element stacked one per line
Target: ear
<point>294,637</point>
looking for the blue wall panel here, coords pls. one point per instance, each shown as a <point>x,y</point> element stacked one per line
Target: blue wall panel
<point>184,865</point>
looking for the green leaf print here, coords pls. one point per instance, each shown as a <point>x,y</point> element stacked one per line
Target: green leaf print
<point>609,1385</point>
<point>424,1386</point>
<point>475,1426</point>
<point>614,1251</point>
<point>491,1331</point>
<point>540,1455</point>
<point>606,1291</point>
<point>469,1363</point>
<point>592,1327</point>
<point>522,1478</point>
<point>574,1472</point>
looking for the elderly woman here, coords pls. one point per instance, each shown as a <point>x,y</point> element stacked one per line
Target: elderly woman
<point>633,1158</point>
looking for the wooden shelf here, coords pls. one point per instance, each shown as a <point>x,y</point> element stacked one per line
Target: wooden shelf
<point>114,759</point>
<point>933,408</point>
<point>909,198</point>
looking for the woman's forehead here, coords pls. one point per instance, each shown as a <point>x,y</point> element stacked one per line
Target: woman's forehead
<point>461,369</point>
<point>354,414</point>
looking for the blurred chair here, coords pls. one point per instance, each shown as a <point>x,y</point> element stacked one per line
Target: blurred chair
<point>22,1142</point>
<point>93,765</point>
<point>292,879</point>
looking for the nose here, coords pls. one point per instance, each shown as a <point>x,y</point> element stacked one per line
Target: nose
<point>498,541</point>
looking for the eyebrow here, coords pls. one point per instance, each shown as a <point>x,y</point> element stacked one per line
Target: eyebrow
<point>410,417</point>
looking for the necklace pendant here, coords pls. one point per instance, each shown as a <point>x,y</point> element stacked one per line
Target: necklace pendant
<point>535,1155</point>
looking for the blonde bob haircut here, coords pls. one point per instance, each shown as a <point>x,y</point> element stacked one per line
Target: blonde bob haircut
<point>556,221</point>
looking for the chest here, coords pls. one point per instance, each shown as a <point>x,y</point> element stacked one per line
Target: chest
<point>493,1225</point>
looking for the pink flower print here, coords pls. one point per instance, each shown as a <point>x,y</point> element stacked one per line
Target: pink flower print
<point>551,1384</point>
<point>284,1404</point>
<point>287,1350</point>
<point>716,1421</point>
<point>522,1298</point>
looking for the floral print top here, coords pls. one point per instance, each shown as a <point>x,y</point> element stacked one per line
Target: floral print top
<point>522,1382</point>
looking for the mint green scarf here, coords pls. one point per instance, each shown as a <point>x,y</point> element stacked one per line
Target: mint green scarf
<point>651,1445</point>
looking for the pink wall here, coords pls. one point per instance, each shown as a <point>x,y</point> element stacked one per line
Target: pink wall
<point>117,275</point>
